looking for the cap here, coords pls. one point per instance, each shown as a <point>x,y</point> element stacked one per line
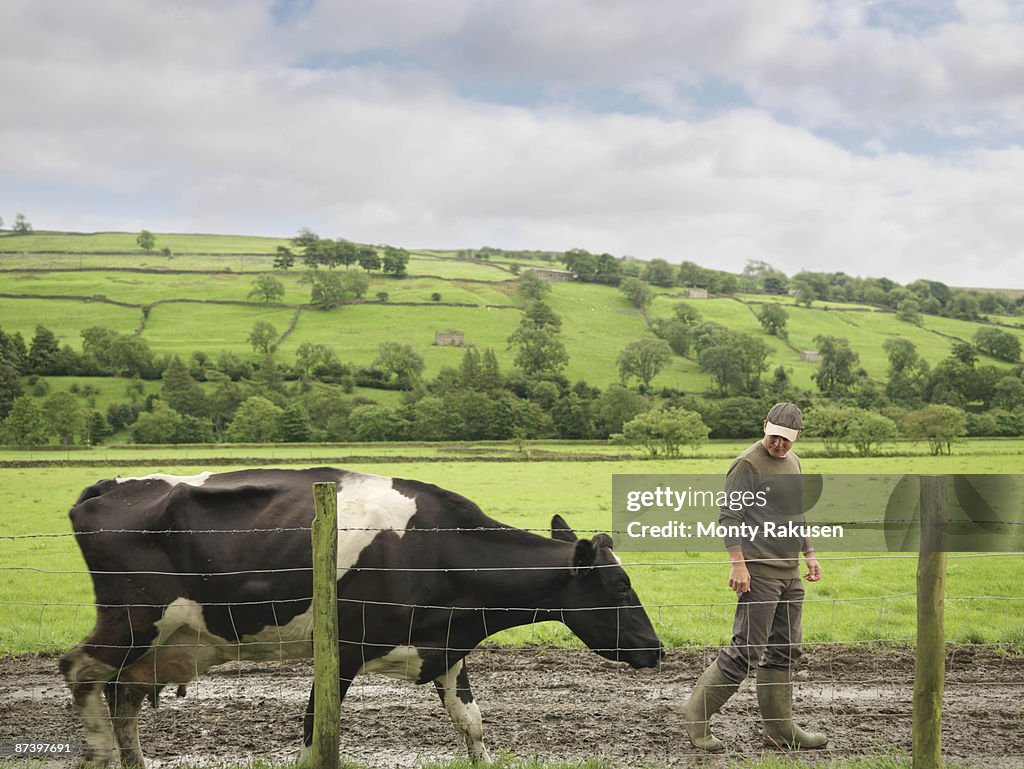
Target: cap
<point>784,419</point>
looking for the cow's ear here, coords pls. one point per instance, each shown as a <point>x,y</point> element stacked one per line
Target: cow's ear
<point>560,530</point>
<point>583,556</point>
<point>602,540</point>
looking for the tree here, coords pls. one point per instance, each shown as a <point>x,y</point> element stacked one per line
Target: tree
<point>867,430</point>
<point>965,353</point>
<point>285,259</point>
<point>1009,393</point>
<point>539,351</point>
<point>256,421</point>
<point>395,261</point>
<point>686,313</point>
<point>10,387</point>
<point>65,416</point>
<point>22,225</point>
<point>831,423</point>
<point>998,343</point>
<point>436,419</point>
<point>665,431</point>
<point>732,417</point>
<point>909,310</point>
<point>581,262</point>
<point>262,336</point>
<point>294,425</point>
<point>735,360</point>
<point>660,273</point>
<point>614,407</point>
<point>25,425</point>
<point>368,258</point>
<point>939,424</point>
<point>43,353</point>
<point>532,286</point>
<point>540,315</point>
<point>354,285</point>
<point>773,319</point>
<point>908,372</point>
<point>643,360</point>
<point>319,361</point>
<point>572,418</point>
<point>638,293</point>
<point>377,423</point>
<point>159,425</point>
<point>400,361</point>
<point>266,289</point>
<point>804,292</point>
<point>118,354</point>
<point>146,241</point>
<point>837,371</point>
<point>181,392</point>
<point>675,332</point>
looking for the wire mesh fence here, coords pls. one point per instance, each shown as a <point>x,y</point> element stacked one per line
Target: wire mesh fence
<point>542,691</point>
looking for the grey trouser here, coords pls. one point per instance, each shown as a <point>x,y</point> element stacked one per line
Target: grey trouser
<point>767,629</point>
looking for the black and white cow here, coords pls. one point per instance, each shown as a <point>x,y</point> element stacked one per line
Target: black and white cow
<point>190,572</point>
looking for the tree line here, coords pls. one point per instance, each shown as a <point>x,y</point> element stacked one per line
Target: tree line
<point>258,398</point>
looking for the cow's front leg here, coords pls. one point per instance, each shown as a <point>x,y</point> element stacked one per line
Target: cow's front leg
<point>453,688</point>
<point>124,702</point>
<point>86,677</point>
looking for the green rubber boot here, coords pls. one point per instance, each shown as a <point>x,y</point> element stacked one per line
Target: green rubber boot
<point>775,699</point>
<point>709,694</point>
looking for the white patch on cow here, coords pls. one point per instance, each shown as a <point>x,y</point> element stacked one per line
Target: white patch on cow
<point>402,662</point>
<point>184,647</point>
<point>172,480</point>
<point>367,505</point>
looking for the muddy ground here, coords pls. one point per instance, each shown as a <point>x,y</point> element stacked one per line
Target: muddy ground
<point>550,704</point>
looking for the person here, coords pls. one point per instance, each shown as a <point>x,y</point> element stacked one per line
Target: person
<point>765,575</point>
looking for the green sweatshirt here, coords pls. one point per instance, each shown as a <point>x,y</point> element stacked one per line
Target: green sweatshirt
<point>778,483</point>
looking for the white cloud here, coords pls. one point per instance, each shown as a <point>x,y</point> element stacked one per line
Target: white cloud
<point>198,114</point>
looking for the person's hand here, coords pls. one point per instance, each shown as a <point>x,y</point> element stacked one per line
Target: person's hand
<point>813,573</point>
<point>739,578</point>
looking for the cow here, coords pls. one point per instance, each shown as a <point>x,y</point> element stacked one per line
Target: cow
<point>193,571</point>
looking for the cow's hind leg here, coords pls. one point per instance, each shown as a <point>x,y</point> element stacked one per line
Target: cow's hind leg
<point>344,682</point>
<point>87,676</point>
<point>124,702</point>
<point>453,688</point>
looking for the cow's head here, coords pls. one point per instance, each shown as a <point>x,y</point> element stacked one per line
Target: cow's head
<point>601,606</point>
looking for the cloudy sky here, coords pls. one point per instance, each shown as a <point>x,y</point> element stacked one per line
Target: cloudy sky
<point>877,138</point>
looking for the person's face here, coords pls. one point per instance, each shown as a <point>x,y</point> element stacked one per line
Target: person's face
<point>777,446</point>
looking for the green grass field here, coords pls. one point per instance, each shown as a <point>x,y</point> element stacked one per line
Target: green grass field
<point>46,594</point>
<point>597,320</point>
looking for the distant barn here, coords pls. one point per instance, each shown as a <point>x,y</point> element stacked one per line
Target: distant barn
<point>810,355</point>
<point>449,338</point>
<point>551,273</point>
<point>697,293</point>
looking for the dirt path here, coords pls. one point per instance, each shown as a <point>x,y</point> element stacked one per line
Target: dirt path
<point>549,704</point>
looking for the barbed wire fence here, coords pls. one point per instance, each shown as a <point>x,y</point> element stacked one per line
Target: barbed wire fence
<point>253,710</point>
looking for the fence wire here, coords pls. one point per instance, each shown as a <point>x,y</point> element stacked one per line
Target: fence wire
<point>858,687</point>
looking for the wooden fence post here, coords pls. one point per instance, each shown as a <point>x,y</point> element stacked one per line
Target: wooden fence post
<point>327,695</point>
<point>929,673</point>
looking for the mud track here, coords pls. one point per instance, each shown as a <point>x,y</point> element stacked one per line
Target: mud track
<point>550,704</point>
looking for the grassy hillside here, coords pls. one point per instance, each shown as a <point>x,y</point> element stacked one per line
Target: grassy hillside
<point>67,281</point>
